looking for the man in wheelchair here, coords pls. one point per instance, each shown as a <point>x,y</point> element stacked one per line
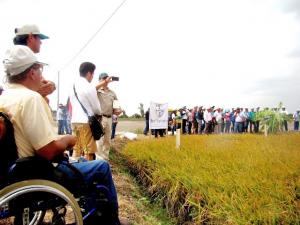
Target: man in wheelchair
<point>38,145</point>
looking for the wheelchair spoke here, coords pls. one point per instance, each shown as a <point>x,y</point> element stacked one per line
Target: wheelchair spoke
<point>38,202</point>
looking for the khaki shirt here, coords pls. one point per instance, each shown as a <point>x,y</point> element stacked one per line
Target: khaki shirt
<point>106,98</point>
<point>31,117</point>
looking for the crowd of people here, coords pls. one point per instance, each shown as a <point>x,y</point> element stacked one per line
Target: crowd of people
<point>200,120</point>
<point>216,120</point>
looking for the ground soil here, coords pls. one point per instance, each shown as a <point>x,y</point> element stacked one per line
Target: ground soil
<point>130,126</point>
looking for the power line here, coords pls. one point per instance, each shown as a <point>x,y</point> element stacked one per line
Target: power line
<point>93,36</point>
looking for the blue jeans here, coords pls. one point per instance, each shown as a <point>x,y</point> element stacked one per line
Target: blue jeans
<point>113,130</point>
<point>238,127</point>
<point>96,171</point>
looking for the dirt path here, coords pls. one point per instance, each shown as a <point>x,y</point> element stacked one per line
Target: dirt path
<point>130,126</point>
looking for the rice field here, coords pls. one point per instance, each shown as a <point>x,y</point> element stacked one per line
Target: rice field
<point>222,179</point>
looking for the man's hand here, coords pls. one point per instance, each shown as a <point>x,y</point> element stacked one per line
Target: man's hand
<point>47,88</point>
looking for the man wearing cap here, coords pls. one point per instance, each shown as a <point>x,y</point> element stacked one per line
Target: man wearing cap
<point>30,35</point>
<point>33,124</point>
<point>106,98</point>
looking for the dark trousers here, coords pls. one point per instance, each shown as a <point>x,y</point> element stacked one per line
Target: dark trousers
<point>285,125</point>
<point>256,126</point>
<point>183,126</point>
<point>159,131</point>
<point>113,130</point>
<point>209,127</point>
<point>296,125</point>
<point>146,130</point>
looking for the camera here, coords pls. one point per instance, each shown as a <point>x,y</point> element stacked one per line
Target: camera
<point>115,78</point>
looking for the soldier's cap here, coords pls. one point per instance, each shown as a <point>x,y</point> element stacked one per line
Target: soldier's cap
<point>19,58</point>
<point>30,29</point>
<point>103,76</point>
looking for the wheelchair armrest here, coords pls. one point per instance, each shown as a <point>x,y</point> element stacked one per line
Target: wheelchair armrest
<point>32,167</point>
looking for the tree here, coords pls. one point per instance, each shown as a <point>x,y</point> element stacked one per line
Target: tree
<point>142,111</point>
<point>136,115</point>
<point>273,119</point>
<point>124,115</point>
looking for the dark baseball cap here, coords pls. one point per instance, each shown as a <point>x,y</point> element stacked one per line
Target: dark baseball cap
<point>103,76</point>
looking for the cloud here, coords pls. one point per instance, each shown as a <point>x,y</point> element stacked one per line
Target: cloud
<point>269,92</point>
<point>290,6</point>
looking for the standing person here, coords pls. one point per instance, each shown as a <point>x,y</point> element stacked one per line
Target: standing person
<point>147,114</point>
<point>61,119</point>
<point>173,118</point>
<point>106,97</point>
<point>256,123</point>
<point>199,119</point>
<point>33,123</point>
<point>247,120</point>
<point>232,119</point>
<point>208,118</point>
<point>68,121</point>
<point>284,112</point>
<point>184,119</point>
<point>252,120</point>
<point>218,116</point>
<point>239,121</point>
<point>87,95</point>
<point>30,36</point>
<point>114,125</point>
<point>227,121</point>
<point>296,119</point>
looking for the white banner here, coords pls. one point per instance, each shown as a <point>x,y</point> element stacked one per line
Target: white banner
<point>158,118</point>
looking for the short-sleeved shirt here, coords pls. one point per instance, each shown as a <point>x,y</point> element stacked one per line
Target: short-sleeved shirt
<point>106,98</point>
<point>32,120</point>
<point>87,95</point>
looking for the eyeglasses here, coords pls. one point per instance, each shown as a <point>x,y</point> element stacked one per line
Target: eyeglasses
<point>38,67</point>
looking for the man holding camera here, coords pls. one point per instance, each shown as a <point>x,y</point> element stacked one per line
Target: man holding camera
<point>108,100</point>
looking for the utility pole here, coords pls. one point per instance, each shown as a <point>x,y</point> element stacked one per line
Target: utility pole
<point>58,80</point>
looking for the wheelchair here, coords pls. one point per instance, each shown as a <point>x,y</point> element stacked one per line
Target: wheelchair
<point>34,191</point>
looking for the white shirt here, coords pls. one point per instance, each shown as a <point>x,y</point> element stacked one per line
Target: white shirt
<point>218,116</point>
<point>207,116</point>
<point>239,117</point>
<point>87,95</point>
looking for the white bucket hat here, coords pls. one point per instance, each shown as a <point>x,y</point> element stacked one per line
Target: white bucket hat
<point>18,59</point>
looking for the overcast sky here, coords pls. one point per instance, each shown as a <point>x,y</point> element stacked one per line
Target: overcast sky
<point>226,53</point>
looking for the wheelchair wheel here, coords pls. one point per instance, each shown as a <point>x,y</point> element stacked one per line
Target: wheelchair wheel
<point>35,202</point>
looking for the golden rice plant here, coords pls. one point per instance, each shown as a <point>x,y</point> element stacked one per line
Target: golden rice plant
<point>223,179</point>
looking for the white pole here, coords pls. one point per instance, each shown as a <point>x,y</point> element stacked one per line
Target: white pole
<point>58,88</point>
<point>266,130</point>
<point>178,138</point>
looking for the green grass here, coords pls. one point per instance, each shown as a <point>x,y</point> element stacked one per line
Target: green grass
<point>223,179</point>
